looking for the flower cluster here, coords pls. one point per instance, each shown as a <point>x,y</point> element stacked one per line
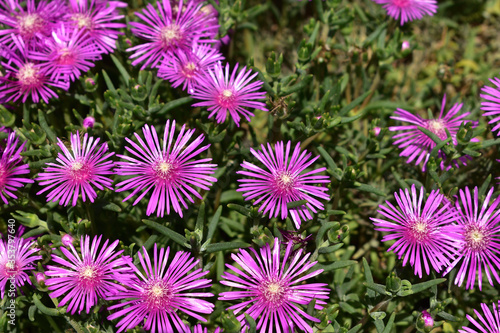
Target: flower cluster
<point>48,44</point>
<point>444,235</point>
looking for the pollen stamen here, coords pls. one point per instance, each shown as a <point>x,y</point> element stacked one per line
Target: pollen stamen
<point>170,36</point>
<point>28,75</point>
<point>476,238</point>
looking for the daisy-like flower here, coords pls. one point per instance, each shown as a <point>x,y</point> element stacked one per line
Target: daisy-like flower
<point>274,289</point>
<point>199,329</point>
<point>25,76</point>
<point>188,69</point>
<point>284,180</point>
<point>168,169</point>
<point>11,167</point>
<point>77,171</point>
<point>68,52</point>
<point>13,265</point>
<point>169,30</point>
<point>98,18</point>
<point>420,228</point>
<point>408,10</point>
<point>479,235</point>
<point>86,278</point>
<point>417,145</point>
<point>161,292</point>
<point>223,92</point>
<point>492,104</point>
<point>490,323</point>
<point>31,22</point>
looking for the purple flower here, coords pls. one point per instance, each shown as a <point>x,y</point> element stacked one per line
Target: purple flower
<point>161,292</point>
<point>428,320</point>
<point>33,22</point>
<point>165,167</point>
<point>274,289</point>
<point>169,30</point>
<point>479,236</point>
<point>87,278</point>
<point>422,234</point>
<point>25,76</point>
<point>67,240</point>
<point>199,329</point>
<point>417,145</point>
<point>67,53</point>
<point>190,68</point>
<point>98,18</point>
<point>408,10</point>
<point>284,180</point>
<point>14,264</point>
<point>11,167</point>
<point>89,121</point>
<point>223,92</point>
<point>77,171</point>
<point>490,323</point>
<point>492,104</point>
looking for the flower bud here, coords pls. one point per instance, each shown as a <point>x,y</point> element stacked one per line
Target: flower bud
<point>67,240</point>
<point>40,277</point>
<point>88,122</point>
<point>405,45</point>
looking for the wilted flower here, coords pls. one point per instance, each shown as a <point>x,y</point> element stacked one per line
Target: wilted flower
<point>284,180</point>
<point>273,291</point>
<point>479,236</point>
<point>492,104</point>
<point>156,297</point>
<point>77,171</point>
<point>11,167</point>
<point>87,277</point>
<point>408,10</point>
<point>223,92</point>
<point>422,234</point>
<point>417,145</point>
<point>490,323</point>
<point>167,169</point>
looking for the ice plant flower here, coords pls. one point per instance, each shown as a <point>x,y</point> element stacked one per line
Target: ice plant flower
<point>188,69</point>
<point>167,168</point>
<point>88,122</point>
<point>98,18</point>
<point>67,240</point>
<point>199,329</point>
<point>420,228</point>
<point>408,10</point>
<point>13,265</point>
<point>11,167</point>
<point>223,92</point>
<point>490,323</point>
<point>479,235</point>
<point>168,30</point>
<point>85,278</point>
<point>417,145</point>
<point>273,291</point>
<point>32,22</point>
<point>492,104</point>
<point>161,292</point>
<point>284,179</point>
<point>67,53</point>
<point>25,76</point>
<point>78,171</point>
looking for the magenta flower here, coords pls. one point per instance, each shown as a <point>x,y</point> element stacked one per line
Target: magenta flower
<point>223,93</point>
<point>24,76</point>
<point>490,323</point>
<point>68,52</point>
<point>77,171</point>
<point>190,68</point>
<point>87,278</point>
<point>169,30</point>
<point>408,10</point>
<point>11,167</point>
<point>492,104</point>
<point>161,292</point>
<point>14,264</point>
<point>199,329</point>
<point>417,145</point>
<point>479,235</point>
<point>168,169</point>
<point>98,18</point>
<point>274,289</point>
<point>422,234</point>
<point>89,121</point>
<point>32,22</point>
<point>284,180</point>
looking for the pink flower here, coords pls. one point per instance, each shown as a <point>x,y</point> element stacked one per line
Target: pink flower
<point>408,10</point>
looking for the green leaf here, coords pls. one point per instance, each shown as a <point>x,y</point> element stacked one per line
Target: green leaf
<point>216,247</point>
<point>355,329</point>
<point>175,236</point>
<point>240,209</point>
<point>251,323</point>
<point>336,265</point>
<point>431,135</point>
<point>121,69</point>
<point>329,160</point>
<point>43,309</point>
<point>200,220</point>
<point>353,104</point>
<point>378,288</point>
<point>173,104</point>
<point>211,227</point>
<point>448,317</point>
<point>294,204</point>
<point>110,85</point>
<point>30,220</point>
<point>112,207</point>
<point>368,277</point>
<point>43,124</point>
<point>416,288</point>
<point>388,327</point>
<point>369,189</point>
